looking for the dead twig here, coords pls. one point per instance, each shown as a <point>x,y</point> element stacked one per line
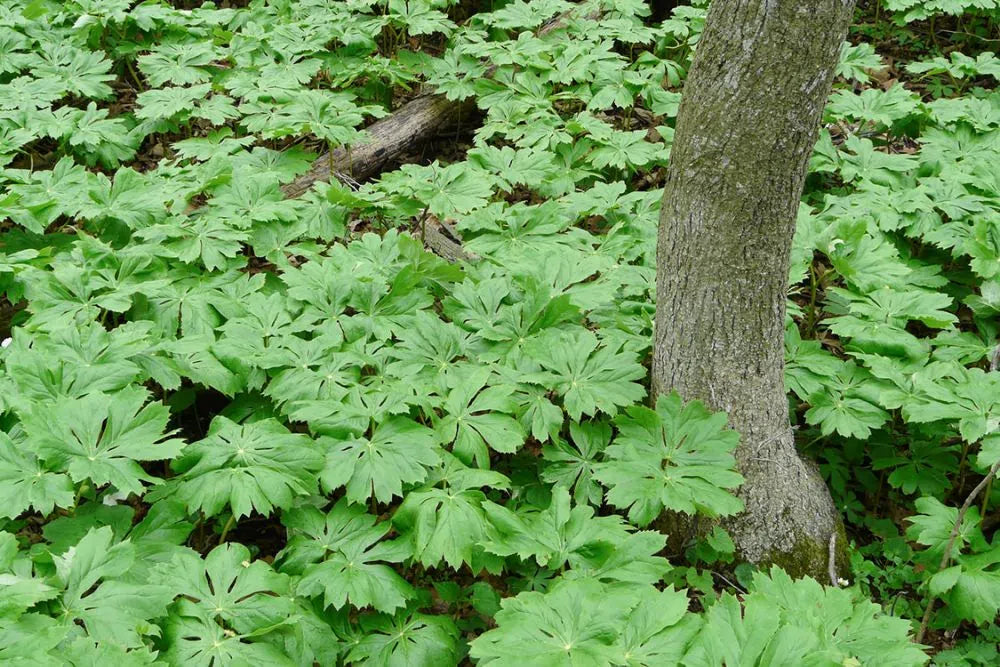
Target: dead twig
<point>831,564</point>
<point>955,530</point>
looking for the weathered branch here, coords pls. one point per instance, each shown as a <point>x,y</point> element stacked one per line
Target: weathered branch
<point>409,126</point>
<point>412,124</point>
<point>440,237</point>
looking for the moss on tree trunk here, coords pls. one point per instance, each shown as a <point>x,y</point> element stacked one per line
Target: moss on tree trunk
<point>747,125</point>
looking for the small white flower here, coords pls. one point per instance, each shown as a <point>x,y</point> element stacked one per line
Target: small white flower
<point>6,342</point>
<point>115,498</point>
<point>843,582</point>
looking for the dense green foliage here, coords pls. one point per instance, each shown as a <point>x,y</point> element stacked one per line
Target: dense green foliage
<point>243,429</point>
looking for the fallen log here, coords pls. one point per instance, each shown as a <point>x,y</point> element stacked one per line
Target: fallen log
<point>412,124</point>
<point>409,126</point>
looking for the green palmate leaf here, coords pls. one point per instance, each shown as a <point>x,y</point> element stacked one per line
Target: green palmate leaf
<point>206,239</point>
<point>848,404</point>
<point>591,377</point>
<point>102,438</point>
<point>882,107</point>
<point>971,589</point>
<point>959,65</point>
<point>110,610</point>
<point>224,602</point>
<point>429,347</point>
<point>582,622</point>
<point>405,640</point>
<point>922,469</point>
<point>865,162</point>
<point>559,536</point>
<point>539,415</point>
<point>452,189</point>
<point>808,367</point>
<point>178,63</point>
<point>972,398</point>
<point>933,524</point>
<point>510,167</point>
<point>341,557</point>
<point>130,197</point>
<point>331,117</point>
<point>574,624</point>
<point>256,466</point>
<point>420,18</point>
<point>856,60</point>
<point>79,71</point>
<point>901,305</point>
<point>193,640</point>
<point>399,451</point>
<point>519,233</point>
<point>658,627</point>
<point>449,523</point>
<point>90,360</point>
<point>172,102</point>
<point>25,483</point>
<point>229,585</point>
<point>798,622</point>
<point>477,416</point>
<point>219,141</point>
<point>33,638</point>
<point>101,139</point>
<point>509,329</point>
<point>19,588</point>
<point>625,149</point>
<point>572,464</point>
<point>678,457</point>
<point>309,370</point>
<point>250,199</point>
<point>29,93</point>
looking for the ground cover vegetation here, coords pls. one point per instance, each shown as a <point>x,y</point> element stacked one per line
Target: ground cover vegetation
<point>401,416</point>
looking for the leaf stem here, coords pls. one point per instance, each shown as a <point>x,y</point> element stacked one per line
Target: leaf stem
<point>955,530</point>
<point>226,528</point>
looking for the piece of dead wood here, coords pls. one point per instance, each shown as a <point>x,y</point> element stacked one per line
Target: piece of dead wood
<point>411,125</point>
<point>443,240</point>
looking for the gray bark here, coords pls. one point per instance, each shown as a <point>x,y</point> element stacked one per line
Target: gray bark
<point>442,238</point>
<point>389,138</point>
<point>747,124</point>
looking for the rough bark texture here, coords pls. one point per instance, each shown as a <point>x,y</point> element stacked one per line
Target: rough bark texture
<point>442,238</point>
<point>747,125</point>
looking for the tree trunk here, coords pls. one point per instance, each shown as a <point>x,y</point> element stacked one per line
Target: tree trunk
<point>746,128</point>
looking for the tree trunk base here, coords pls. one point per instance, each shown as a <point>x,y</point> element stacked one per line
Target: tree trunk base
<point>789,519</point>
